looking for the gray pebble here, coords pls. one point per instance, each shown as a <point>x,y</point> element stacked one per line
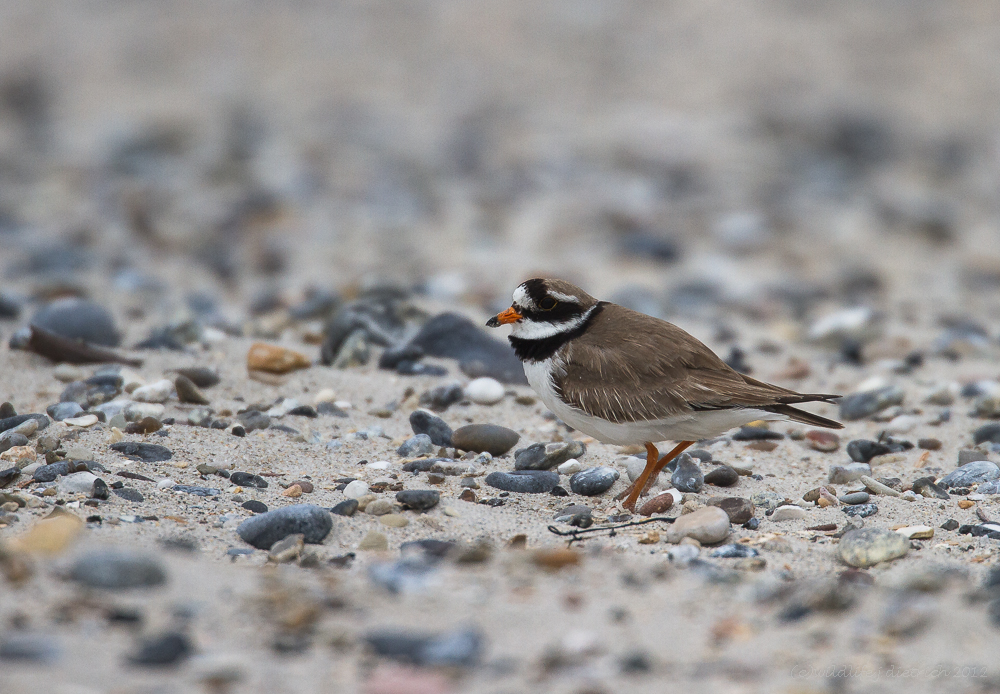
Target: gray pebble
<point>544,456</point>
<point>63,410</point>
<point>418,499</point>
<point>722,476</point>
<point>79,319</point>
<point>861,510</point>
<point>971,473</point>
<point>987,432</point>
<point>424,422</point>
<point>196,491</point>
<point>871,546</point>
<point>861,405</point>
<point>734,551</point>
<point>263,531</point>
<point>254,420</point>
<point>449,649</point>
<point>524,481</point>
<point>489,438</point>
<point>845,474</point>
<point>146,452</point>
<point>129,494</point>
<point>593,481</point>
<point>687,477</point>
<point>417,446</point>
<point>246,479</point>
<point>118,569</point>
<point>442,397</point>
<point>854,498</point>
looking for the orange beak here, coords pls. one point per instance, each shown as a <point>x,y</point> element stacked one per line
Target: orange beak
<point>503,318</point>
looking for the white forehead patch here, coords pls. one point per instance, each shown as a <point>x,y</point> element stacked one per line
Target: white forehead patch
<point>521,297</point>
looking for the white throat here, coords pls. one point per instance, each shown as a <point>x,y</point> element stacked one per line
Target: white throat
<point>526,329</point>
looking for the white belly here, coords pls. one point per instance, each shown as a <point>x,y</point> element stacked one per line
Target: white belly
<point>693,426</point>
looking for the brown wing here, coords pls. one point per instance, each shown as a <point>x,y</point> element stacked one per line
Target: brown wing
<point>629,367</point>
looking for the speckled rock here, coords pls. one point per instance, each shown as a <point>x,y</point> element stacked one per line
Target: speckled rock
<point>971,473</point>
<point>593,481</point>
<point>870,546</point>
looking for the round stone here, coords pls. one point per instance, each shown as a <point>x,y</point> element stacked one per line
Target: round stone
<point>118,569</point>
<point>593,481</point>
<point>658,504</point>
<point>870,546</point>
<point>417,446</point>
<point>418,499</point>
<point>687,477</point>
<point>485,438</point>
<point>854,498</point>
<point>722,476</point>
<point>861,510</point>
<point>394,520</point>
<point>708,525</point>
<point>356,489</point>
<point>524,481</point>
<point>484,391</point>
<point>262,531</point>
<point>570,467</point>
<point>424,422</point>
<point>788,512</point>
<point>379,507</point>
<point>158,392</point>
<point>79,319</point>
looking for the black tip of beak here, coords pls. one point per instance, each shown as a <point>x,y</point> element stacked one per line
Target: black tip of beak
<point>493,323</point>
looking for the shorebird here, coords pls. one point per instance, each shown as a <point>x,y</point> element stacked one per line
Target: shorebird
<point>627,378</point>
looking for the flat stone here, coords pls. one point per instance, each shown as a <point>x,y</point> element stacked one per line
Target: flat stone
<point>788,512</point>
<point>418,499</point>
<point>158,392</point>
<point>63,410</point>
<point>860,510</point>
<point>197,491</point>
<point>708,525</point>
<point>83,421</point>
<point>345,508</point>
<point>254,506</point>
<point>146,452</point>
<point>570,467</point>
<point>971,473</point>
<point>356,489</point>
<point>722,476</point>
<point>854,498</point>
<point>734,551</point>
<point>860,405</point>
<point>424,422</point>
<point>916,532</point>
<point>79,319</point>
<point>274,359</point>
<point>442,397</point>
<point>823,441</point>
<point>113,569</point>
<point>246,479</point>
<point>524,481</point>
<point>987,433</point>
<point>187,391</point>
<point>129,494</point>
<point>374,541</point>
<point>544,456</point>
<point>926,486</point>
<point>394,520</point>
<point>379,507</point>
<point>870,546</point>
<point>593,481</point>
<point>738,509</point>
<point>417,446</point>
<point>254,420</point>
<point>162,650</point>
<point>48,473</point>
<point>263,531</point>
<point>77,483</point>
<point>490,438</point>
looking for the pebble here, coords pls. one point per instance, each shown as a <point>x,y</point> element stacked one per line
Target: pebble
<point>424,422</point>
<point>263,531</point>
<point>859,324</point>
<point>287,550</point>
<point>916,532</point>
<point>738,509</point>
<point>823,441</point>
<point>345,508</point>
<point>722,476</point>
<point>987,407</point>
<point>254,506</point>
<point>442,397</point>
<point>860,405</point>
<point>146,425</point>
<point>861,510</point>
<point>570,467</point>
<point>708,525</point>
<point>687,476</point>
<point>524,481</point>
<point>77,483</point>
<point>870,546</point>
<point>767,499</point>
<point>137,411</point>
<point>394,520</point>
<point>67,373</point>
<point>845,474</point>
<point>863,450</point>
<point>21,456</point>
<point>113,569</point>
<point>187,391</point>
<point>246,479</point>
<point>926,486</point>
<point>544,456</point>
<point>971,473</point>
<point>417,446</point>
<point>575,515</point>
<point>145,452</point>
<point>9,423</point>
<point>788,512</point>
<point>63,410</point>
<point>170,648</point>
<point>992,487</point>
<point>987,433</point>
<point>451,649</point>
<point>28,648</point>
<point>48,473</point>
<point>274,359</point>
<point>254,420</point>
<point>374,541</point>
<point>658,504</point>
<point>929,444</point>
<point>489,438</point>
<point>196,490</point>
<point>379,507</point>
<point>593,481</point>
<point>200,376</point>
<point>356,489</point>
<point>484,391</point>
<point>854,498</point>
<point>79,319</point>
<point>418,499</point>
<point>158,392</point>
<point>966,456</point>
<point>734,551</point>
<point>83,421</point>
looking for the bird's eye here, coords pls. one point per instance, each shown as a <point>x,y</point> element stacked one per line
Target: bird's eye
<point>547,304</point>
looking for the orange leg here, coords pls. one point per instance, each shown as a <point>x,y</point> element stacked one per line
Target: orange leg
<point>652,471</point>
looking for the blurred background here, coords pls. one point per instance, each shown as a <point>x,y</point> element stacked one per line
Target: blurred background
<point>683,157</point>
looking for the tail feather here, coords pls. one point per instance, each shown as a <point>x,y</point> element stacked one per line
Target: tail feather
<point>803,417</point>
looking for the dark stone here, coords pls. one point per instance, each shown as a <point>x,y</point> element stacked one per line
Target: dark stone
<point>418,499</point>
<point>450,649</point>
<point>861,405</point>
<point>950,524</point>
<point>524,481</point>
<point>188,392</point>
<point>254,506</point>
<point>129,494</point>
<point>738,509</point>
<point>456,337</point>
<point>544,456</point>
<point>48,473</point>
<point>328,408</point>
<point>196,491</point>
<point>593,481</point>
<point>7,410</point>
<point>304,411</point>
<point>393,356</point>
<point>990,530</point>
<point>987,432</point>
<point>253,420</point>
<point>687,477</point>
<point>863,450</point>
<point>861,510</point>
<point>489,438</point>
<point>11,422</point>
<point>164,650</point>
<point>722,476</point>
<point>423,465</point>
<point>100,490</point>
<point>146,452</point>
<point>558,491</point>
<point>442,397</point>
<point>79,319</point>
<point>239,431</point>
<point>264,530</point>
<point>200,376</point>
<point>118,569</point>
<point>424,422</point>
<point>146,425</point>
<point>381,315</point>
<point>971,473</point>
<point>756,434</point>
<point>345,508</point>
<point>925,486</point>
<point>8,476</point>
<point>10,308</point>
<point>246,479</point>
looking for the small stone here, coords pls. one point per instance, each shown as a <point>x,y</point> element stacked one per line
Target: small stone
<point>146,425</point>
<point>468,495</point>
<point>826,499</point>
<point>975,472</point>
<point>870,546</point>
<point>246,479</point>
<point>262,531</point>
<point>254,506</point>
<point>767,499</point>
<point>965,504</point>
<point>863,450</point>
<point>21,456</point>
<point>845,474</point>
<point>63,410</point>
<point>379,507</point>
<point>788,512</point>
<point>158,392</point>
<point>77,483</point>
<point>130,494</point>
<point>929,444</point>
<point>738,509</point>
<point>524,481</point>
<point>356,489</point>
<point>861,405</point>
<point>145,452</point>
<point>275,360</point>
<point>861,510</point>
<point>167,649</point>
<point>491,438</point>
<point>823,441</point>
<point>417,446</point>
<point>438,478</point>
<point>987,433</point>
<point>253,420</point>
<point>925,486</point>
<point>136,411</point>
<point>484,391</point>
<point>734,551</point>
<point>748,433</point>
<point>722,476</point>
<point>687,476</point>
<point>950,524</point>
<point>345,508</point>
<point>67,373</point>
<point>593,481</point>
<point>188,392</point>
<point>424,422</point>
<point>292,492</point>
<point>200,376</point>
<point>195,490</point>
<point>419,499</point>
<point>854,498</point>
<point>708,525</point>
<point>118,569</point>
<point>305,485</point>
<point>394,520</point>
<point>570,467</point>
<point>987,406</point>
<point>544,456</point>
<point>916,532</point>
<point>658,504</point>
<point>287,549</point>
<point>79,319</point>
<point>442,397</point>
<point>83,421</point>
<point>374,541</point>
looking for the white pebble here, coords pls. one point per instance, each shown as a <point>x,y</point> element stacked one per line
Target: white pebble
<point>356,489</point>
<point>154,392</point>
<point>902,424</point>
<point>343,404</point>
<point>325,395</point>
<point>87,420</point>
<point>449,511</point>
<point>165,484</point>
<point>379,465</point>
<point>570,467</point>
<point>788,512</point>
<point>283,407</point>
<point>484,391</point>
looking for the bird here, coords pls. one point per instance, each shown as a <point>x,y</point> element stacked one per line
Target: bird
<point>627,378</point>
